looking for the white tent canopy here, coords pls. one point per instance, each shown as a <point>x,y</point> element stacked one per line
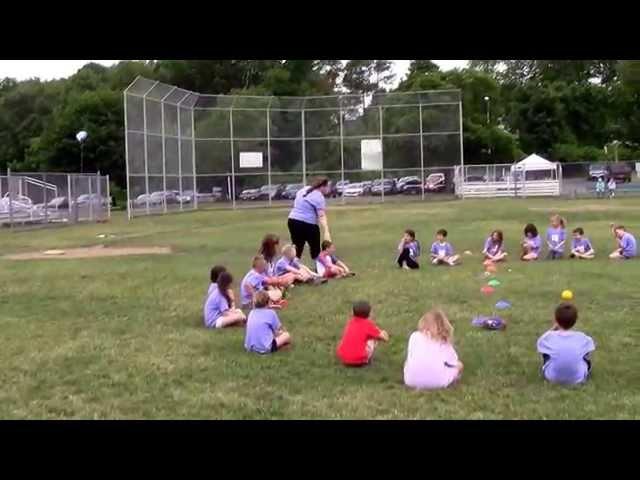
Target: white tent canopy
<point>534,163</point>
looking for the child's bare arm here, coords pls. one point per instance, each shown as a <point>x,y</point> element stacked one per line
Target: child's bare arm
<point>384,336</point>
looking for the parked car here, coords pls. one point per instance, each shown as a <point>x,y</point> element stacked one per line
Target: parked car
<point>270,191</point>
<point>160,197</point>
<point>475,179</point>
<point>621,172</point>
<point>355,190</point>
<point>400,184</point>
<point>341,186</point>
<point>367,185</point>
<point>291,190</point>
<point>141,200</point>
<point>388,186</point>
<point>217,193</point>
<point>436,182</point>
<point>413,186</point>
<point>91,198</point>
<point>249,194</point>
<point>597,170</point>
<point>15,204</point>
<point>58,203</point>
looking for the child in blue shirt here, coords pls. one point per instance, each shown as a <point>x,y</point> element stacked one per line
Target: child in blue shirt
<point>566,353</point>
<point>442,251</point>
<point>627,246</point>
<point>581,246</point>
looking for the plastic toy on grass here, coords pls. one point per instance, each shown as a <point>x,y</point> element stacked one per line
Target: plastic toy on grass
<point>493,283</point>
<point>567,295</point>
<point>491,268</point>
<point>503,305</point>
<point>489,323</point>
<point>487,290</point>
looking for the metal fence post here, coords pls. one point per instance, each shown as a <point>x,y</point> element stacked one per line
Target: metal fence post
<point>89,178</point>
<point>69,200</point>
<point>233,168</point>
<point>421,151</point>
<point>178,107</point>
<point>193,159</point>
<point>126,154</point>
<point>269,151</point>
<point>44,199</point>
<point>108,197</point>
<point>341,155</point>
<point>381,155</point>
<point>304,149</point>
<point>146,148</point>
<point>10,190</point>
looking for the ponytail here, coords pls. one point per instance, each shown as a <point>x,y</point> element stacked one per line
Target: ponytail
<point>317,183</point>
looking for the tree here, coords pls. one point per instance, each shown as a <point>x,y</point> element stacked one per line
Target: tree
<point>367,76</point>
<point>417,67</point>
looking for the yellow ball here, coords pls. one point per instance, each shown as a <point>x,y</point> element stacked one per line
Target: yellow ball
<point>567,295</point>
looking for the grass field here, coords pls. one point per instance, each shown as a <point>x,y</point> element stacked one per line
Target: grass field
<point>123,337</point>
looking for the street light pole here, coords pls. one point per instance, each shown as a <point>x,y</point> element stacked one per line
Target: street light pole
<point>488,100</point>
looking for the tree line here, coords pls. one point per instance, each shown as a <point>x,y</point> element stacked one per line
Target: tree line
<point>564,109</point>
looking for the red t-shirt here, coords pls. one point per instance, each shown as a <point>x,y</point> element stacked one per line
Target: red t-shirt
<point>352,349</point>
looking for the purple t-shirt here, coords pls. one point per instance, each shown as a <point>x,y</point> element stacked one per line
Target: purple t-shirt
<point>492,247</point>
<point>284,262</point>
<point>441,249</point>
<point>566,351</point>
<point>256,280</point>
<point>582,245</point>
<point>262,324</point>
<point>214,307</point>
<point>628,245</point>
<point>534,243</point>
<point>306,209</point>
<point>555,237</point>
<point>212,288</point>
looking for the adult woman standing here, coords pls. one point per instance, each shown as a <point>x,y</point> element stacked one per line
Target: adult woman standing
<point>308,212</point>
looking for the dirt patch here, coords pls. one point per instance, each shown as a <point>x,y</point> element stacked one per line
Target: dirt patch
<point>89,252</point>
<point>584,208</point>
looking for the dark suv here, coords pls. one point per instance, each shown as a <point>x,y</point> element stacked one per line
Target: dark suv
<point>621,172</point>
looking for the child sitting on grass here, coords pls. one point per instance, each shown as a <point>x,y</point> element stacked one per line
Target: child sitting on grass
<point>627,247</point>
<point>360,337</point>
<point>219,309</point>
<point>494,247</point>
<point>257,280</point>
<point>409,250</point>
<point>269,250</point>
<point>265,333</point>
<point>555,237</point>
<point>566,353</point>
<point>442,251</point>
<point>215,272</point>
<point>581,246</point>
<point>531,244</point>
<point>328,265</point>
<point>432,361</point>
<point>289,263</point>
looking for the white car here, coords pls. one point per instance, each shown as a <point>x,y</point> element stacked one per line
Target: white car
<point>19,203</point>
<point>354,190</point>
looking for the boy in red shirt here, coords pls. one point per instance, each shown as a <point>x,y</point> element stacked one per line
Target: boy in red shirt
<point>360,337</point>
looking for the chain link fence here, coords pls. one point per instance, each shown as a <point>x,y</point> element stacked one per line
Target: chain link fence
<point>53,198</point>
<point>186,150</point>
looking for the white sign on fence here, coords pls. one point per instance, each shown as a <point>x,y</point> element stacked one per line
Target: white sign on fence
<point>250,159</point>
<point>371,153</point>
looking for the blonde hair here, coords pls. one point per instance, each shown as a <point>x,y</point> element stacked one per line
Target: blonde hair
<point>558,219</point>
<point>256,260</point>
<point>288,248</point>
<point>260,299</point>
<point>437,325</point>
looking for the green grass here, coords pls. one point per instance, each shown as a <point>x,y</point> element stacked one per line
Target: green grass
<point>122,337</point>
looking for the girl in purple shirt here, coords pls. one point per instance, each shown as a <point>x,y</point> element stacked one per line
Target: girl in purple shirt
<point>219,309</point>
<point>556,237</point>
<point>531,243</point>
<point>494,247</point>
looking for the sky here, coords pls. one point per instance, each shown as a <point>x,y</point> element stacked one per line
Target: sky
<point>51,69</point>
